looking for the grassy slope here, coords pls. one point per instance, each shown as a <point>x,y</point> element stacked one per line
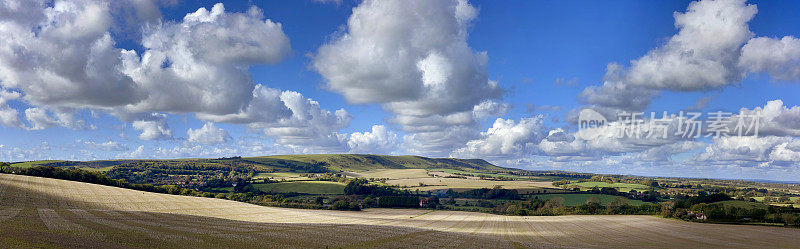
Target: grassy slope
<point>287,176</point>
<point>792,198</point>
<point>334,162</point>
<point>623,187</point>
<point>743,204</point>
<point>360,162</point>
<point>577,199</point>
<point>306,187</point>
<point>455,171</point>
<point>98,166</point>
<point>33,163</point>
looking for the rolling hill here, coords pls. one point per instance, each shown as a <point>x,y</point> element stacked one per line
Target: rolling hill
<point>331,162</point>
<point>362,162</point>
<point>42,212</point>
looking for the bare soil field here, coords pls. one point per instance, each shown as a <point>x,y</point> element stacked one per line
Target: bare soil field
<point>40,212</point>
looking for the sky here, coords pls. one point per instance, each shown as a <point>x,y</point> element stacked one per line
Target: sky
<point>505,81</point>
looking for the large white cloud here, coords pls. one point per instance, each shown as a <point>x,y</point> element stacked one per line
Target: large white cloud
<point>703,54</point>
<point>64,55</point>
<point>778,57</point>
<point>787,153</point>
<point>208,134</point>
<point>563,146</point>
<point>652,136</point>
<point>63,58</point>
<point>265,106</point>
<point>309,128</point>
<point>379,140</point>
<point>773,151</point>
<point>440,141</point>
<point>749,151</point>
<point>713,48</point>
<point>506,138</point>
<point>40,118</point>
<point>200,65</point>
<point>153,128</point>
<point>774,119</point>
<point>412,58</point>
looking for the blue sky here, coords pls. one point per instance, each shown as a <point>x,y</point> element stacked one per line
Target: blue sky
<point>498,80</point>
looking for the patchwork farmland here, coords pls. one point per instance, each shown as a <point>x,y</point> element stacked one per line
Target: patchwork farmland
<point>42,212</point>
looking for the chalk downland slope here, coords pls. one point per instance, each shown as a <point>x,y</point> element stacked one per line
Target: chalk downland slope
<point>363,162</point>
<point>41,212</point>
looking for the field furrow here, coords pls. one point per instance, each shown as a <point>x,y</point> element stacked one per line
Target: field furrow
<point>115,225</point>
<point>7,213</point>
<point>102,216</point>
<point>53,221</point>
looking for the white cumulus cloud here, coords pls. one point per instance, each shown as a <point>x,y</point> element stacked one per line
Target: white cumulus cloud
<point>208,134</point>
<point>200,65</point>
<point>154,129</point>
<point>506,138</point>
<point>9,116</point>
<point>379,140</point>
<point>778,57</point>
<point>412,58</point>
<point>713,48</point>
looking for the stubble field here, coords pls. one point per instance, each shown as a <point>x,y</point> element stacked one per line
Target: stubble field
<point>40,212</point>
<point>427,180</point>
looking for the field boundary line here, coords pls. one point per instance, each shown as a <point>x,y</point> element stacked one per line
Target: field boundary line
<point>431,211</point>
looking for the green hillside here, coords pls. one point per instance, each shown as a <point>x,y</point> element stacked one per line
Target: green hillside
<point>572,200</point>
<point>101,165</point>
<point>742,204</point>
<point>360,162</point>
<point>307,187</point>
<point>623,187</point>
<point>292,163</point>
<point>33,163</point>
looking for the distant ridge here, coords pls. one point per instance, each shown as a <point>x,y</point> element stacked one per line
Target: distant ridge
<point>346,162</point>
<point>332,162</point>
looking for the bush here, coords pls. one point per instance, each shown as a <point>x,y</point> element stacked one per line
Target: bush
<point>345,204</point>
<point>398,201</point>
<point>362,187</point>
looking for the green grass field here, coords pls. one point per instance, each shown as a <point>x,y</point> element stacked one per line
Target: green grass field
<point>289,176</point>
<point>622,187</point>
<point>306,187</point>
<point>103,169</point>
<point>33,163</point>
<point>793,199</point>
<point>572,200</point>
<point>742,204</point>
<point>43,162</point>
<point>527,178</point>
